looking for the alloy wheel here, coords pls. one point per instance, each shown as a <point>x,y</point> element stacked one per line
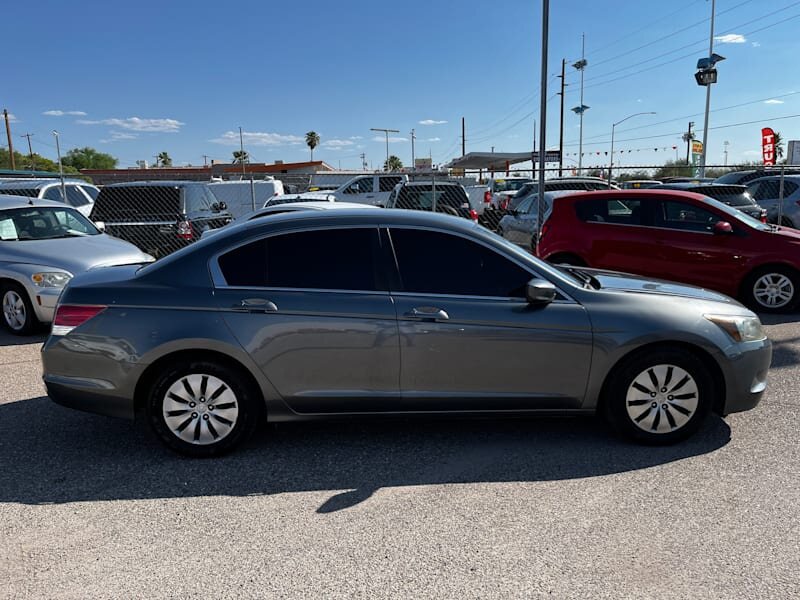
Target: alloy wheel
<point>200,409</point>
<point>662,399</point>
<point>14,310</point>
<point>773,290</point>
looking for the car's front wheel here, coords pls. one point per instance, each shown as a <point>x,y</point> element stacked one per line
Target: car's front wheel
<point>772,289</point>
<point>202,408</point>
<point>659,396</point>
<point>18,315</point>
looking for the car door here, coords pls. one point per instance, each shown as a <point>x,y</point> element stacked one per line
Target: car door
<point>468,338</point>
<point>689,251</point>
<point>314,312</point>
<point>517,225</point>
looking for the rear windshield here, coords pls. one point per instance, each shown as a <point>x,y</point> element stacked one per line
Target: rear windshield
<point>132,204</point>
<point>732,196</point>
<point>422,197</point>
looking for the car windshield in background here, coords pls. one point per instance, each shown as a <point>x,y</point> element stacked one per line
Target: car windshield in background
<point>731,196</point>
<point>509,185</point>
<point>423,197</point>
<point>43,223</point>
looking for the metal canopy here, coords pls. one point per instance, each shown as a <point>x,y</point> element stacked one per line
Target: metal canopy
<point>489,161</point>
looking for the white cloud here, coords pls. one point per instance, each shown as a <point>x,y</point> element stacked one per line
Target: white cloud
<point>433,139</point>
<point>138,124</point>
<point>257,138</point>
<point>432,122</point>
<point>356,137</point>
<point>392,140</point>
<point>730,38</point>
<point>752,153</point>
<point>117,136</point>
<point>773,101</point>
<point>61,113</point>
<point>337,143</point>
<point>756,44</point>
<point>12,118</point>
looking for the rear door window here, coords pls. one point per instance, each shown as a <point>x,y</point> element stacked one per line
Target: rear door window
<point>54,194</point>
<point>360,186</point>
<point>75,197</point>
<point>432,262</point>
<point>627,211</point>
<point>292,260</point>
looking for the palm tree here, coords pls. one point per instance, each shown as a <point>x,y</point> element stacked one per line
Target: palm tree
<point>164,159</point>
<point>778,141</point>
<point>240,156</point>
<point>393,163</point>
<point>312,140</point>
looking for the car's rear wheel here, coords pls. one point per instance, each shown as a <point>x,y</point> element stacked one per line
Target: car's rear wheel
<point>18,315</point>
<point>772,289</point>
<point>659,396</point>
<point>202,408</point>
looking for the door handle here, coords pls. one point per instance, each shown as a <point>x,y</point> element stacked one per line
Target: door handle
<point>256,305</point>
<point>428,313</point>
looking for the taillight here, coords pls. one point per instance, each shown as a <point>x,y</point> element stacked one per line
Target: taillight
<point>70,316</point>
<point>487,197</point>
<point>185,230</point>
<point>763,217</point>
<point>473,215</point>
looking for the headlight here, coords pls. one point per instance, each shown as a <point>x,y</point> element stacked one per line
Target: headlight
<point>741,329</point>
<point>51,280</point>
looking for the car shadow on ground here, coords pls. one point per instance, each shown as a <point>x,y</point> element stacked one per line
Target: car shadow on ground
<point>8,339</point>
<point>56,455</point>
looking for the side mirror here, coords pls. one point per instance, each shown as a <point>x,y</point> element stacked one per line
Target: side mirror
<point>722,228</point>
<point>100,225</point>
<point>540,292</point>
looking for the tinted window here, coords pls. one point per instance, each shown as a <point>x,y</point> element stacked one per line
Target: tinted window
<point>386,184</point>
<point>684,216</point>
<point>330,259</point>
<point>765,190</point>
<point>623,212</point>
<point>441,198</point>
<point>361,186</point>
<point>730,195</point>
<point>439,263</point>
<point>75,197</point>
<point>137,203</point>
<point>91,191</point>
<point>54,194</point>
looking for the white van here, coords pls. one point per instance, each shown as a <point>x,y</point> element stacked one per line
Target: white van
<point>239,196</point>
<point>368,189</point>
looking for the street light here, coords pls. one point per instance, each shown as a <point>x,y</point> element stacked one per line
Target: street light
<point>579,110</point>
<point>387,132</point>
<point>613,126</point>
<point>60,167</point>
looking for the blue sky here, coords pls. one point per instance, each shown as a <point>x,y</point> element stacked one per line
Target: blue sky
<point>135,79</point>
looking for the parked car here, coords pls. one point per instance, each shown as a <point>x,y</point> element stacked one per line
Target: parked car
<point>519,225</point>
<point>159,217</point>
<point>241,198</point>
<point>745,177</point>
<point>736,196</point>
<point>766,191</point>
<point>366,189</point>
<point>281,208</point>
<point>79,194</point>
<point>43,244</point>
<point>446,197</point>
<point>256,321</point>
<point>639,184</point>
<point>680,236</point>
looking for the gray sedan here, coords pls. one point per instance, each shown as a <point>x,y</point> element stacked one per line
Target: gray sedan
<point>43,244</point>
<point>314,314</point>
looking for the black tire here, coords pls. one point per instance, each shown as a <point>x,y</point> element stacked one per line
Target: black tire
<point>756,291</point>
<point>567,259</point>
<point>22,319</point>
<point>674,414</point>
<point>194,412</point>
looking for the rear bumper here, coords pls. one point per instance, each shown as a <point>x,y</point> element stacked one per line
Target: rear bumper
<point>746,376</point>
<point>81,397</point>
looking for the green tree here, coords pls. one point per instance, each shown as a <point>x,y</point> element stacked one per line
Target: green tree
<point>778,141</point>
<point>674,168</point>
<point>312,141</point>
<point>22,162</point>
<point>393,163</point>
<point>164,159</point>
<point>633,175</point>
<point>89,158</point>
<point>240,156</point>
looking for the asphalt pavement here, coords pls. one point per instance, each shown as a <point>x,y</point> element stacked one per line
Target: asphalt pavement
<point>95,507</point>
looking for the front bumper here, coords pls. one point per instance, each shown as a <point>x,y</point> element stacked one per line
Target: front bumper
<point>746,375</point>
<point>44,302</point>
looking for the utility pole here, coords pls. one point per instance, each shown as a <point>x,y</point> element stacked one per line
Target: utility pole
<point>386,132</point>
<point>10,145</point>
<point>241,150</point>
<point>463,137</point>
<point>363,161</point>
<point>688,137</point>
<point>413,138</point>
<point>542,117</point>
<point>30,148</point>
<point>725,143</point>
<point>561,123</point>
<point>157,160</point>
<point>60,168</point>
<point>708,95</point>
<point>205,160</point>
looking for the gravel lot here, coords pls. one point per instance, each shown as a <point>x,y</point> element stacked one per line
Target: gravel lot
<point>94,507</point>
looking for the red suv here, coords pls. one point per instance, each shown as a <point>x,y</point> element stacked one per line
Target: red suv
<point>679,236</point>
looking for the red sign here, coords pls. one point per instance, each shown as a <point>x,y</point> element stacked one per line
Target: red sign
<point>768,146</point>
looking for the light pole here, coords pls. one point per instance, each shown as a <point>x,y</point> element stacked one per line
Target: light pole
<point>613,126</point>
<point>542,118</point>
<point>387,132</point>
<point>579,110</point>
<point>60,167</point>
<point>725,143</point>
<point>708,94</point>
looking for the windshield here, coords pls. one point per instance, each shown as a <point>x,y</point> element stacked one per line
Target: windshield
<point>509,185</point>
<point>737,215</point>
<point>43,223</point>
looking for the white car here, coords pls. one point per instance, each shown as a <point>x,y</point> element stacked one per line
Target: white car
<point>80,194</point>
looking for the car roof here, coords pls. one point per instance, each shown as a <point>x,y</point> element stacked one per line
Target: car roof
<point>428,182</point>
<point>686,185</point>
<point>156,182</point>
<point>11,201</point>
<point>772,178</point>
<point>646,193</point>
<point>27,184</point>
